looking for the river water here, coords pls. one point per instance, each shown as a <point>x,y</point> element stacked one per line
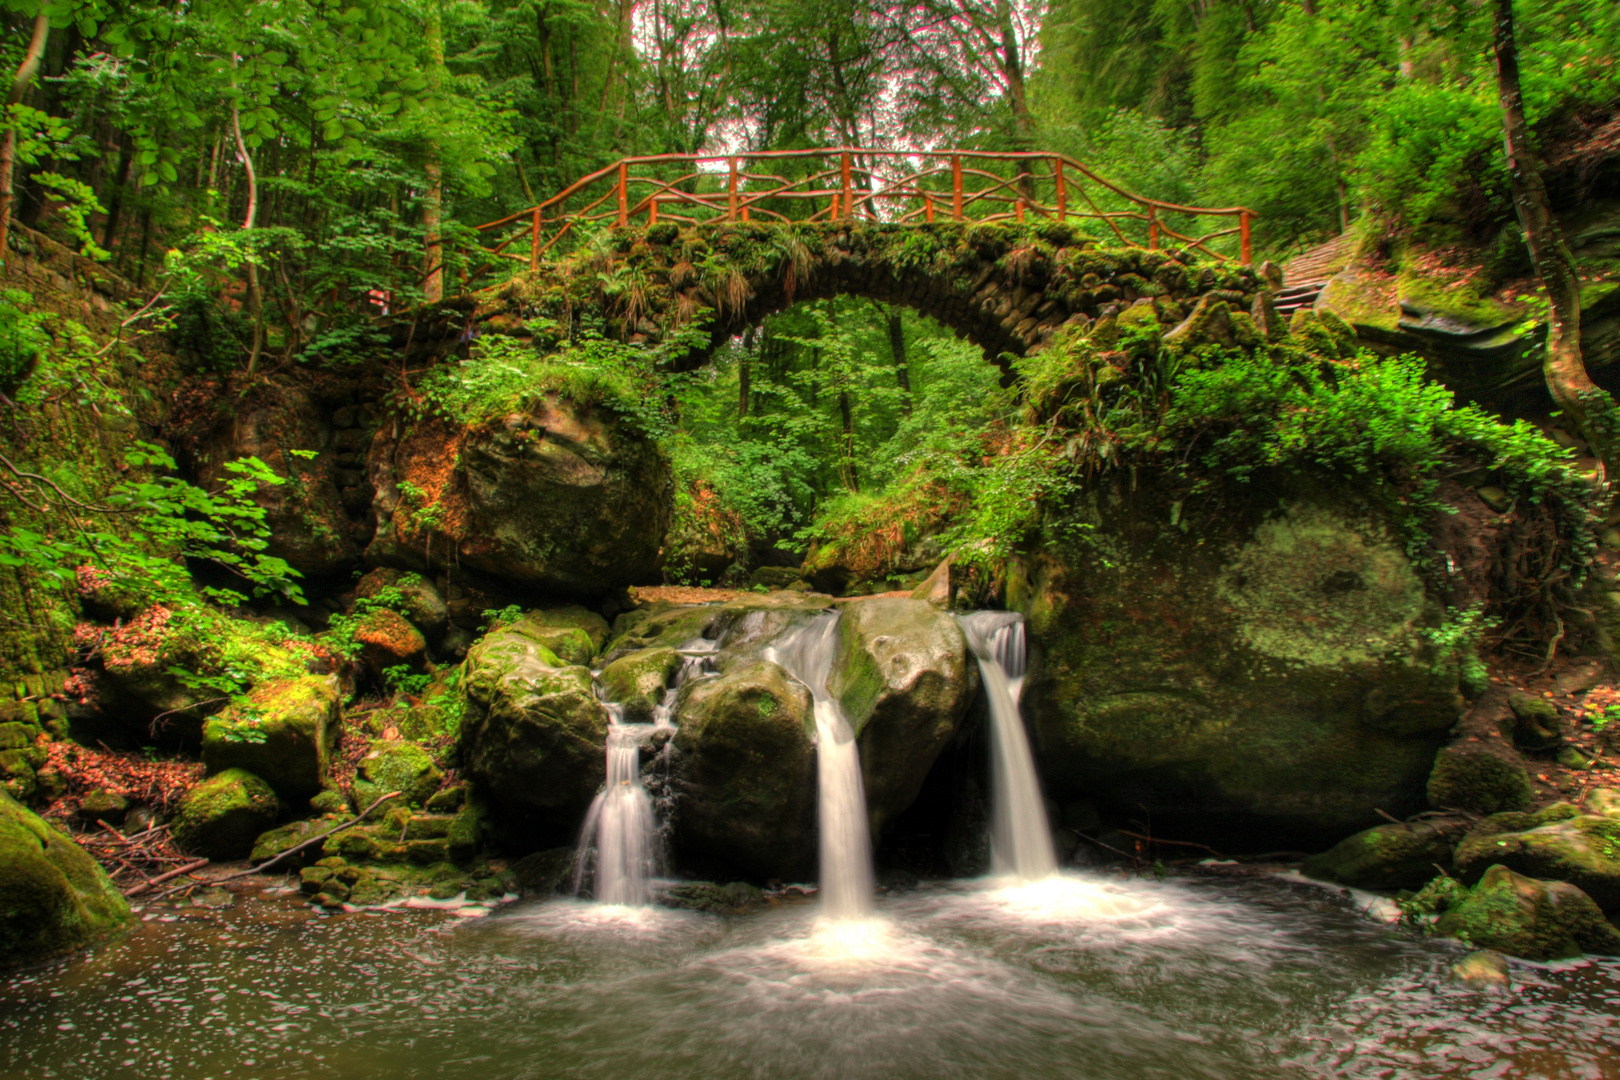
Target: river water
<point>1074,977</point>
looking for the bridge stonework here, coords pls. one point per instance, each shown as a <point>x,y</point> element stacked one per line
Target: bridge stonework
<point>1007,288</point>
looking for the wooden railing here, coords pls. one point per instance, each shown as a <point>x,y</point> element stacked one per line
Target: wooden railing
<point>846,183</point>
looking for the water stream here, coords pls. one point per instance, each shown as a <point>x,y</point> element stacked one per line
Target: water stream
<point>621,845</point>
<point>845,838</point>
<point>1021,836</point>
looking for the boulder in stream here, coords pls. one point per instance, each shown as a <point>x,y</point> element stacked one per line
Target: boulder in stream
<point>221,817</point>
<point>1583,850</point>
<point>1393,856</point>
<point>1524,917</point>
<point>54,898</point>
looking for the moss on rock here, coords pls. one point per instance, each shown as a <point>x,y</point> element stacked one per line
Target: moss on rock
<point>284,733</point>
<point>638,680</point>
<point>54,898</point>
<point>221,817</point>
<point>1536,920</point>
<point>1582,850</point>
<point>1386,856</point>
<point>1478,778</point>
<point>397,765</point>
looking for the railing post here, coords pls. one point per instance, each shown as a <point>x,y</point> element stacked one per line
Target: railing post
<point>849,202</point>
<point>731,189</point>
<point>1153,227</point>
<point>1245,251</point>
<point>1062,192</point>
<point>834,216</point>
<point>1018,210</point>
<point>652,210</point>
<point>534,242</point>
<point>956,186</point>
<point>624,194</point>
<point>928,207</point>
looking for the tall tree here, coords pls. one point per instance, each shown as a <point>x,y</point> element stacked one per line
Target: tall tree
<point>21,80</point>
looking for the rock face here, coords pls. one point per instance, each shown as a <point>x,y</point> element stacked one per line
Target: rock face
<point>1479,778</point>
<point>638,680</point>
<point>285,735</point>
<point>1536,920</point>
<point>221,817</point>
<point>532,738</point>
<point>387,640</point>
<point>558,498</point>
<point>746,772</point>
<point>905,679</point>
<point>1256,672</point>
<point>1387,856</point>
<point>1583,850</point>
<point>54,898</point>
<point>573,633</point>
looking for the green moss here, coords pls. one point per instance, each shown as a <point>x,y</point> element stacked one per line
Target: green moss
<point>401,766</point>
<point>222,817</point>
<point>1438,896</point>
<point>1475,778</point>
<point>54,898</point>
<point>284,732</point>
<point>1536,920</point>
<point>637,680</point>
<point>1384,857</point>
<point>1583,850</point>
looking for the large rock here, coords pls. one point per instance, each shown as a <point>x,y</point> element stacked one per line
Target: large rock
<point>637,681</point>
<point>306,518</point>
<point>396,765</point>
<point>573,633</point>
<point>533,737</point>
<point>418,600</point>
<point>746,773</point>
<point>388,640</point>
<point>54,898</point>
<point>557,497</point>
<point>1479,777</point>
<point>1250,669</point>
<point>1583,850</point>
<point>905,679</point>
<point>1537,920</point>
<point>1403,856</point>
<point>284,733</point>
<point>221,817</point>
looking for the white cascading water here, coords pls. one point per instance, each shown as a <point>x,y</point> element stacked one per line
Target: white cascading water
<point>847,881</point>
<point>619,844</point>
<point>1021,837</point>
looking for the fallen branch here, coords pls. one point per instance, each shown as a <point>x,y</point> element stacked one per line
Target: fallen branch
<point>1172,843</point>
<point>161,878</point>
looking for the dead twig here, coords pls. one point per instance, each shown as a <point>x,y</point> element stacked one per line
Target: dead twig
<point>171,875</point>
<point>1172,843</point>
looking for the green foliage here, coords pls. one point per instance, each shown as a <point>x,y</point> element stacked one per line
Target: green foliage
<point>401,680</point>
<point>22,338</point>
<point>495,618</point>
<point>340,631</point>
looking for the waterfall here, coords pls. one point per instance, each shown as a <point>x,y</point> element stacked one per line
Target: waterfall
<point>847,883</point>
<point>1021,837</point>
<point>620,845</point>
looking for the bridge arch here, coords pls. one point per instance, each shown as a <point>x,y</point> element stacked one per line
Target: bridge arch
<point>1006,287</point>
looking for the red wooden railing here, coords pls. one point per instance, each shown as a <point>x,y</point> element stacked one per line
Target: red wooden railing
<point>844,183</point>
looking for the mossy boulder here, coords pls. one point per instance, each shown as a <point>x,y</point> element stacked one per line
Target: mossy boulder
<point>905,679</point>
<point>532,737</point>
<point>1479,777</point>
<point>221,817</point>
<point>396,765</point>
<point>420,602</point>
<point>1251,669</point>
<point>1602,801</point>
<point>574,633</point>
<point>1536,725</point>
<point>54,898</point>
<point>387,640</point>
<point>272,843</point>
<point>637,681</point>
<point>1403,856</point>
<point>284,734</point>
<point>1524,917</point>
<point>556,496</point>
<point>1582,850</point>
<point>745,773</point>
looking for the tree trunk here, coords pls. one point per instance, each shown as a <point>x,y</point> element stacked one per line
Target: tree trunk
<point>897,350</point>
<point>20,82</point>
<point>1590,407</point>
<point>255,296</point>
<point>433,201</point>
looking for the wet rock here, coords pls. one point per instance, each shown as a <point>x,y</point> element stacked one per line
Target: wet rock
<point>545,873</point>
<point>277,840</point>
<point>1582,850</point>
<point>54,898</point>
<point>1438,896</point>
<point>221,817</point>
<point>1480,778</point>
<point>775,577</point>
<point>905,679</point>
<point>1387,856</point>
<point>396,765</point>
<point>746,772</point>
<point>532,737</point>
<point>739,896</point>
<point>637,681</point>
<point>284,734</point>
<point>1535,920</point>
<point>556,497</point>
